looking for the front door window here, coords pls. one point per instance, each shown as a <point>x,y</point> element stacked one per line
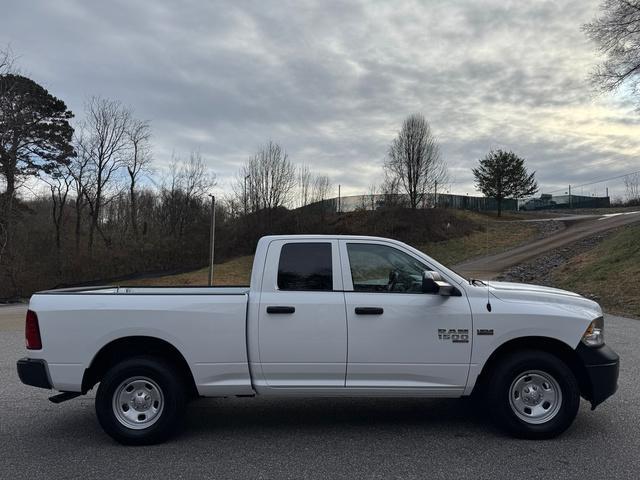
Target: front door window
<point>380,268</point>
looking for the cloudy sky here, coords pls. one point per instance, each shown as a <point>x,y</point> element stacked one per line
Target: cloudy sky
<point>332,81</point>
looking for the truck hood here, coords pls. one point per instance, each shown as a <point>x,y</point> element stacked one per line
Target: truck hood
<point>522,292</point>
<point>508,288</point>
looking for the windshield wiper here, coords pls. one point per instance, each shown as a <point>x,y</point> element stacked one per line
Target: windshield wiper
<point>474,281</point>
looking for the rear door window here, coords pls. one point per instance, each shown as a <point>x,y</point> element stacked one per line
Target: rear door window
<point>305,267</point>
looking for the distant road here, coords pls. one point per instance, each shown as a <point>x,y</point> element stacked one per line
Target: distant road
<point>12,317</point>
<point>577,228</point>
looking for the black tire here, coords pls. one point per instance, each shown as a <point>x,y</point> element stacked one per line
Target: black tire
<point>513,368</point>
<point>170,389</point>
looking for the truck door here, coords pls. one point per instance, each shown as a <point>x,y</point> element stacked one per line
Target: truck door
<point>302,321</point>
<point>399,337</point>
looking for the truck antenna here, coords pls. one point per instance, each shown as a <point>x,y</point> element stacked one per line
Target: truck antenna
<point>486,256</point>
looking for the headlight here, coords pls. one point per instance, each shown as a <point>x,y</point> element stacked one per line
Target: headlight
<point>594,335</point>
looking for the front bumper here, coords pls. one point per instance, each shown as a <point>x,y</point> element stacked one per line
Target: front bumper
<point>33,372</point>
<point>602,366</point>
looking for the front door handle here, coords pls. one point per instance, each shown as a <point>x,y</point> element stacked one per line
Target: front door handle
<point>369,311</point>
<point>280,309</point>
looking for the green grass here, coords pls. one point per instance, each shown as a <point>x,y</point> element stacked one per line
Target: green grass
<point>610,273</point>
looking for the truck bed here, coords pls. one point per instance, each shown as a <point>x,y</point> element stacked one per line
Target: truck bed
<point>208,325</point>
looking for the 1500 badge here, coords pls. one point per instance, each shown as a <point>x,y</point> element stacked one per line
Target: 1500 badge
<point>456,335</point>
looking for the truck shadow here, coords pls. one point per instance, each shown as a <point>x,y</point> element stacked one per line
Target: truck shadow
<point>327,413</point>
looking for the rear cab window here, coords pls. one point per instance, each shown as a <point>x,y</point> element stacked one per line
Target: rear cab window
<point>305,266</point>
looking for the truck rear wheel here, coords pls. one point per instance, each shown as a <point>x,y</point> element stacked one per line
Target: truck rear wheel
<point>141,401</point>
<point>533,394</point>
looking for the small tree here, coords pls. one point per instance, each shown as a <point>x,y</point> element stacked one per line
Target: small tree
<point>414,162</point>
<point>503,175</point>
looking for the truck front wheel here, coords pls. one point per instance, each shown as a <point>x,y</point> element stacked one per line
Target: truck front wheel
<point>533,394</point>
<point>141,401</point>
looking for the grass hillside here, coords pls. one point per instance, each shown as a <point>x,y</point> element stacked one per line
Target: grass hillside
<point>610,273</point>
<point>471,233</point>
<point>493,236</point>
<point>233,272</point>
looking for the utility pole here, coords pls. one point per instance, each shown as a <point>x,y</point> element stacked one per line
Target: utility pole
<point>569,196</point>
<point>212,238</point>
<point>245,194</point>
<point>435,194</point>
<point>339,200</point>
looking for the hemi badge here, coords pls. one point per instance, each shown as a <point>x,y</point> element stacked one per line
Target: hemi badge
<point>485,331</point>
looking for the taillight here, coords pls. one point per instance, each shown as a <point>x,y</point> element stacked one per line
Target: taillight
<point>32,331</point>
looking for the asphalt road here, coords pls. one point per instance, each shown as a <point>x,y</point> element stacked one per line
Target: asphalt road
<point>318,438</point>
<point>576,228</point>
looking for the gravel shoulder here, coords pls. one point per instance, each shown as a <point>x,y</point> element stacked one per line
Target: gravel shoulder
<point>541,269</point>
<point>604,267</point>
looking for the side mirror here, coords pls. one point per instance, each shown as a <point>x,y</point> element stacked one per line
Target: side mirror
<point>432,282</point>
<point>429,284</point>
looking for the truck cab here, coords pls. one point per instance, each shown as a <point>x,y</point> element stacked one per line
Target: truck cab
<point>350,314</point>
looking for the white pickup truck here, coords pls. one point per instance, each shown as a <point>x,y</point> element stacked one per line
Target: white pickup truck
<point>324,316</point>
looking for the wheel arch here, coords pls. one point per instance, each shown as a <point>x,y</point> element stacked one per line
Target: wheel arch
<point>550,345</point>
<point>131,346</point>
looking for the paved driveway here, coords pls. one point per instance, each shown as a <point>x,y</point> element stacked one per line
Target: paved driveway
<point>319,438</point>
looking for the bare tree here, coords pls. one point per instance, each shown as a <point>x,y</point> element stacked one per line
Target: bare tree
<point>104,145</point>
<point>60,181</point>
<point>186,187</point>
<point>243,193</point>
<point>372,196</point>
<point>304,185</point>
<point>632,187</point>
<point>196,179</point>
<point>414,160</point>
<point>137,163</point>
<point>272,177</point>
<point>7,60</point>
<point>391,191</point>
<point>79,171</point>
<point>321,188</point>
<point>616,33</point>
<point>170,193</point>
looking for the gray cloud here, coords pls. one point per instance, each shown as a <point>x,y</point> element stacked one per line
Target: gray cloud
<point>332,81</point>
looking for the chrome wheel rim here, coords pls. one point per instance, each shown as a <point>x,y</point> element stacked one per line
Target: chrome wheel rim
<point>138,403</point>
<point>535,397</point>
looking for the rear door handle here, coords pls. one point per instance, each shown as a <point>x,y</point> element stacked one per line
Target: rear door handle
<point>369,311</point>
<point>280,309</point>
